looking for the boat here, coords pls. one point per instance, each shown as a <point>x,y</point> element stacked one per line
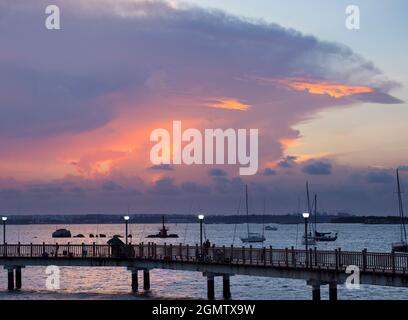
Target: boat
<point>272,228</point>
<point>322,236</point>
<point>252,237</point>
<point>61,233</point>
<point>310,239</point>
<point>163,232</point>
<point>79,236</point>
<point>402,245</point>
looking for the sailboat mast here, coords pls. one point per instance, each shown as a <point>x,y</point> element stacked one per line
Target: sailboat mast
<point>315,212</point>
<point>308,197</point>
<point>246,202</point>
<point>263,217</point>
<point>401,210</point>
<point>308,200</point>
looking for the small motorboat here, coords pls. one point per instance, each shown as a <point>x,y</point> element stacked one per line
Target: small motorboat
<point>325,236</point>
<point>271,228</point>
<point>253,237</point>
<point>61,233</point>
<point>163,233</point>
<point>79,236</point>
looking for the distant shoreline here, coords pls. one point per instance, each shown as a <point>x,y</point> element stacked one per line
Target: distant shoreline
<point>209,219</point>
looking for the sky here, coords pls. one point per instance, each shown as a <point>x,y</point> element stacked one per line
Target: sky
<point>77,105</point>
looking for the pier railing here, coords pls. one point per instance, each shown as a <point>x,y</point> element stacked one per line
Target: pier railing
<point>267,256</point>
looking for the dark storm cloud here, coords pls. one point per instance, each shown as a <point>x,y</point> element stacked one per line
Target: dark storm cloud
<point>379,177</point>
<point>111,186</point>
<point>317,167</point>
<point>122,47</point>
<point>216,172</point>
<point>162,167</point>
<point>165,187</point>
<point>287,162</point>
<point>193,187</point>
<point>269,172</point>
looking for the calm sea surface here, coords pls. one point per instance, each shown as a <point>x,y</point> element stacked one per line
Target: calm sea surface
<point>114,283</point>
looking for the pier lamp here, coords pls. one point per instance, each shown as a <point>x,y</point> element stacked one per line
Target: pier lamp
<point>306,217</point>
<point>126,218</point>
<point>4,219</point>
<point>201,218</point>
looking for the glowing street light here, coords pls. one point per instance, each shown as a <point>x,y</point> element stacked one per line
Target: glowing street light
<point>306,217</point>
<point>4,219</point>
<point>201,218</point>
<point>126,218</point>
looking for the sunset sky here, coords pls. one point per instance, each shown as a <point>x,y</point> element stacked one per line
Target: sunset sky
<point>77,105</point>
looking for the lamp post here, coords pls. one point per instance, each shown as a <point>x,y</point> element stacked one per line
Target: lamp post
<point>126,218</point>
<point>201,218</point>
<point>306,216</point>
<point>4,219</point>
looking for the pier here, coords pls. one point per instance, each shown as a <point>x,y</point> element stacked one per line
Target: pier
<point>317,267</point>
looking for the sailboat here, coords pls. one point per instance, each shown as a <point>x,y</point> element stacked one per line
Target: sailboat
<point>322,236</point>
<point>251,237</point>
<point>309,238</point>
<point>402,245</point>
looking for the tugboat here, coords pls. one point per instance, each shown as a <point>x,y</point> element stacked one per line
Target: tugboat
<point>163,232</point>
<point>61,233</point>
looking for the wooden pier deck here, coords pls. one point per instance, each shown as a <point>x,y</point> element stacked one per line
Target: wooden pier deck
<point>317,267</point>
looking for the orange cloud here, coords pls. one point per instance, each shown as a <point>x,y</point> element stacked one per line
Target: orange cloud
<point>229,104</point>
<point>288,142</point>
<point>320,87</point>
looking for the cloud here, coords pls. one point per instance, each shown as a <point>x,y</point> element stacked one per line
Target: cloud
<point>162,167</point>
<point>229,104</point>
<point>323,87</point>
<point>379,177</point>
<point>165,187</point>
<point>287,162</point>
<point>269,172</point>
<point>216,172</point>
<point>85,116</point>
<point>111,186</point>
<point>317,167</point>
<point>193,187</point>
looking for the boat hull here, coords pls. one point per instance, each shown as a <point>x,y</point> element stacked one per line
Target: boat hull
<point>400,247</point>
<point>160,236</point>
<point>253,240</point>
